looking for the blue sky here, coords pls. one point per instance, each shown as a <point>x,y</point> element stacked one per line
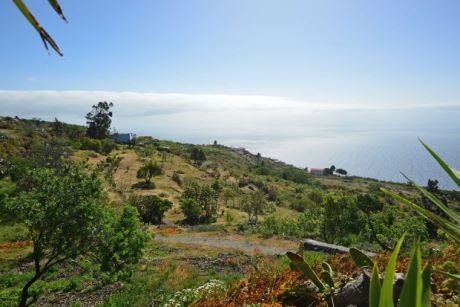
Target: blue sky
<point>370,52</point>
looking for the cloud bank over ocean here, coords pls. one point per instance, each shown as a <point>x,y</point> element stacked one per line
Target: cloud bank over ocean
<point>200,118</point>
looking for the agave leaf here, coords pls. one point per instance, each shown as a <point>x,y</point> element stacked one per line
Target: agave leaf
<point>305,268</point>
<point>436,201</point>
<point>327,278</point>
<point>375,287</point>
<point>46,38</point>
<point>450,228</point>
<point>450,275</point>
<point>386,293</point>
<point>451,172</point>
<point>327,268</point>
<point>426,293</point>
<point>57,8</point>
<point>411,294</point>
<point>360,258</point>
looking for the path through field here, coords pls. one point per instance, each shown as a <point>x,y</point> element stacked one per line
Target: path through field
<point>246,247</point>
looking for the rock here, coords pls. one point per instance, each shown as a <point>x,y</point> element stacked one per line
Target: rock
<point>313,245</point>
<point>356,292</point>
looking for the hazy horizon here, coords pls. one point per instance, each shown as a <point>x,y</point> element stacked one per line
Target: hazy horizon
<point>366,140</point>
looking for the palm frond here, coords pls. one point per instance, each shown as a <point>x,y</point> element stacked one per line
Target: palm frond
<point>46,38</point>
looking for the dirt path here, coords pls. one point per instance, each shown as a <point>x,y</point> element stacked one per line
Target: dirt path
<point>246,247</point>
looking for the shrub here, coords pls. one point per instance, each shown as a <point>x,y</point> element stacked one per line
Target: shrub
<point>91,144</point>
<point>206,198</point>
<point>107,145</point>
<point>149,170</point>
<point>256,204</point>
<point>176,178</point>
<point>151,208</point>
<point>192,210</point>
<point>302,204</point>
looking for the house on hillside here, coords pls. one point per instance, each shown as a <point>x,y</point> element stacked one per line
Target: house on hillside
<point>124,138</point>
<point>317,171</point>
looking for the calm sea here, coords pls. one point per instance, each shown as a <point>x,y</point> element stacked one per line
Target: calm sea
<point>367,153</point>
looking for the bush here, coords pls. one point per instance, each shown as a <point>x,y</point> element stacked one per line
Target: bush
<point>192,210</point>
<point>206,198</point>
<point>176,178</point>
<point>91,144</point>
<point>149,170</point>
<point>302,204</point>
<point>107,145</point>
<point>151,208</point>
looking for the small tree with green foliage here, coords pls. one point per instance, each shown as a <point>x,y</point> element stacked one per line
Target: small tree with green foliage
<point>255,205</point>
<point>63,212</point>
<point>341,171</point>
<point>192,210</point>
<point>198,155</point>
<point>151,208</point>
<point>149,170</point>
<point>205,197</point>
<point>99,120</point>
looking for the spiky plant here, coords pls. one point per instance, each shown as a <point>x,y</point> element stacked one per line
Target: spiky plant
<point>451,224</point>
<point>47,39</point>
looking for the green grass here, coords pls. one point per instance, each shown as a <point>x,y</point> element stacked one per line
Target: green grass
<point>13,233</point>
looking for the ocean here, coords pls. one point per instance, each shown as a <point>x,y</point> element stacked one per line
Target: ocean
<point>368,153</point>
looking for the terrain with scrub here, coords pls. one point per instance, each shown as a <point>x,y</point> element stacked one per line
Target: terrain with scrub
<point>238,258</point>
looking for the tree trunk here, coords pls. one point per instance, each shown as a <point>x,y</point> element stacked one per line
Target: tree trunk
<point>25,290</point>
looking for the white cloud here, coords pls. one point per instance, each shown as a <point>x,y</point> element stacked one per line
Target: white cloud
<point>198,117</point>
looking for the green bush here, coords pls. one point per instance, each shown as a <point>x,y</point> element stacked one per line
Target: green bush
<point>107,145</point>
<point>192,210</point>
<point>151,208</point>
<point>91,144</point>
<point>203,196</point>
<point>176,178</point>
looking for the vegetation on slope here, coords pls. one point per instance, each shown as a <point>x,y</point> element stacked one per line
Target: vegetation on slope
<point>226,191</point>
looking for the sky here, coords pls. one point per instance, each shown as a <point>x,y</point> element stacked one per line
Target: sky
<point>346,52</point>
<point>241,71</point>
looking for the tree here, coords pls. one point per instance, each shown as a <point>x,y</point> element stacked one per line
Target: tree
<point>41,31</point>
<point>120,243</point>
<point>342,217</point>
<point>151,208</point>
<point>99,120</point>
<point>198,155</point>
<point>256,204</point>
<point>63,212</point>
<point>341,171</point>
<point>192,210</point>
<point>149,170</point>
<point>330,170</point>
<point>371,204</point>
<point>202,196</point>
<point>57,128</point>
<point>432,186</point>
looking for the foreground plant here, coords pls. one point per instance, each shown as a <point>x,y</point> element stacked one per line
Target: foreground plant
<point>65,217</point>
<point>415,292</point>
<point>186,297</point>
<point>451,224</point>
<point>47,39</point>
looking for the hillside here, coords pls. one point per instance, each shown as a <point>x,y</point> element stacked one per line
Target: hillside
<point>296,205</point>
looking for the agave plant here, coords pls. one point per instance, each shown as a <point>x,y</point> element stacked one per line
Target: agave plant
<point>450,225</point>
<point>415,292</point>
<point>325,284</point>
<point>47,39</point>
